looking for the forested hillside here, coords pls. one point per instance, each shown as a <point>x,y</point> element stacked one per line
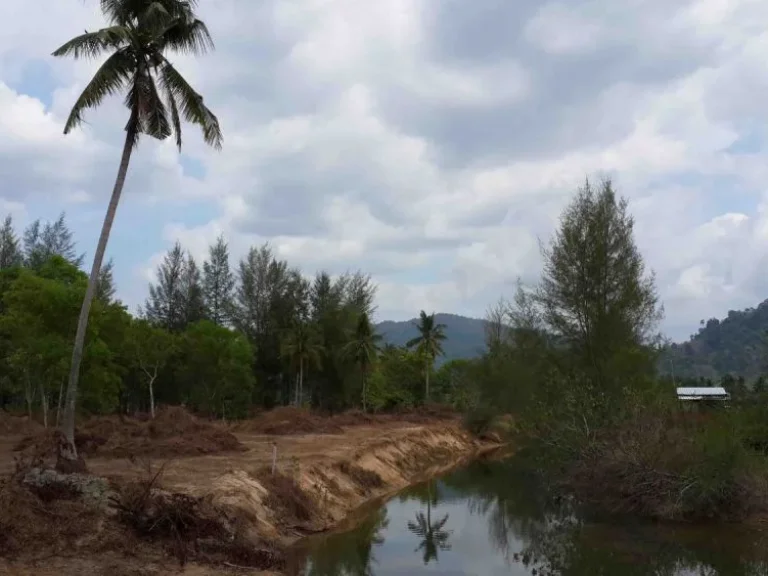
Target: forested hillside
<point>734,345</point>
<point>465,336</point>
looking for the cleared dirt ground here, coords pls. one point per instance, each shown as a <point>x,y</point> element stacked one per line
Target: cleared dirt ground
<point>320,479</point>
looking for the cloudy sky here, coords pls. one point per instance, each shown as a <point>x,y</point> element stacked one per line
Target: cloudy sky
<point>428,142</point>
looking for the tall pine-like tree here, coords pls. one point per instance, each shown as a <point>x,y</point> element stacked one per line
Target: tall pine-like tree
<point>52,239</point>
<point>218,283</point>
<point>596,295</point>
<point>192,292</point>
<point>10,249</point>
<point>105,291</point>
<point>165,306</point>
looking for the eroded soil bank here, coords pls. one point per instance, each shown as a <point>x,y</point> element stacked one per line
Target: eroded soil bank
<point>319,479</point>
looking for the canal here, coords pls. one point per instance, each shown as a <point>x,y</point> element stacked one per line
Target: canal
<point>494,518</point>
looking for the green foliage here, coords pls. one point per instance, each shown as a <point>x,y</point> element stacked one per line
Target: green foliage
<point>290,340</point>
<point>157,95</point>
<point>479,420</point>
<point>215,368</point>
<point>735,345</point>
<point>573,360</point>
<point>40,313</point>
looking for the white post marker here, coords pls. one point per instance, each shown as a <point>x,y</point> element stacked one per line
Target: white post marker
<point>274,457</point>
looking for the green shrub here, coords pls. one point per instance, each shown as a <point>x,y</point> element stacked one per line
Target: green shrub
<point>480,420</point>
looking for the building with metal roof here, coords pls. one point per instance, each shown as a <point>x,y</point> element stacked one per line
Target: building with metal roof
<point>702,393</point>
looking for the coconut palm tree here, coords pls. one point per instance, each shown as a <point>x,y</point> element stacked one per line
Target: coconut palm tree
<point>364,348</point>
<point>429,344</point>
<point>301,345</point>
<point>137,40</point>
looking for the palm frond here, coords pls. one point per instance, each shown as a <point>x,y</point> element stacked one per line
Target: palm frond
<point>147,109</point>
<point>110,78</point>
<point>191,104</point>
<point>124,11</point>
<point>154,117</point>
<point>154,18</point>
<point>175,119</point>
<point>413,342</point>
<point>114,10</point>
<point>94,44</point>
<point>188,37</point>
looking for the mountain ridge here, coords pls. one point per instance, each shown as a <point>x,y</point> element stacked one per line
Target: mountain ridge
<point>465,336</point>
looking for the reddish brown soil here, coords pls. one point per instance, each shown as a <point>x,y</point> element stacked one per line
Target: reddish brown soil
<point>356,455</point>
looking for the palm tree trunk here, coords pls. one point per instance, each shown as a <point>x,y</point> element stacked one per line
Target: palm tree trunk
<point>426,385</point>
<point>68,451</point>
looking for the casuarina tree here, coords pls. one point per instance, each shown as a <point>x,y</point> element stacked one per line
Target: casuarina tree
<point>138,39</point>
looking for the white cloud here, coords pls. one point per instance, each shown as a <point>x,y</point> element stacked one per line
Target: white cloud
<point>430,146</point>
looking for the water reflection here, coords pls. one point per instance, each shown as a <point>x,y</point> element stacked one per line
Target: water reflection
<point>433,536</point>
<point>350,554</point>
<point>495,518</point>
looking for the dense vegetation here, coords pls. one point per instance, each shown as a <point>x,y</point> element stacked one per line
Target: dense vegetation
<point>574,359</point>
<point>221,340</point>
<point>735,345</point>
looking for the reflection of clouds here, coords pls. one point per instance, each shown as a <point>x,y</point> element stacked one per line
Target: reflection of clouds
<point>471,553</point>
<point>504,513</point>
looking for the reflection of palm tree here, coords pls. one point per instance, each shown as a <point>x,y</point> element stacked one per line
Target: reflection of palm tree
<point>433,536</point>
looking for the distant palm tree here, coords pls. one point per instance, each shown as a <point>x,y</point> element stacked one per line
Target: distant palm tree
<point>139,35</point>
<point>433,535</point>
<point>302,346</point>
<point>364,348</point>
<point>429,344</point>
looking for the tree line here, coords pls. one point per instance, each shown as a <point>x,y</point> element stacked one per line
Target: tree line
<point>220,339</point>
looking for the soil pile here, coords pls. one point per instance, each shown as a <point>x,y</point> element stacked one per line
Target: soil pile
<point>10,424</point>
<point>42,523</point>
<point>188,527</point>
<point>288,420</point>
<point>173,432</point>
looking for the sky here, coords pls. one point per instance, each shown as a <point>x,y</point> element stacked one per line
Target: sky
<point>430,143</point>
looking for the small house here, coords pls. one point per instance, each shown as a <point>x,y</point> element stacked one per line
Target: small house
<point>703,395</point>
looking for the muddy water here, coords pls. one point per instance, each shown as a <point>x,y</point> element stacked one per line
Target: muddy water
<point>494,518</point>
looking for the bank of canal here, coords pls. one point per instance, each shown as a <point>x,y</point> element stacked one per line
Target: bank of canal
<point>493,517</point>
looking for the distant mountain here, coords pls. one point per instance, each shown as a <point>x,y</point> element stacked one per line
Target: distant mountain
<point>734,345</point>
<point>737,344</point>
<point>465,337</point>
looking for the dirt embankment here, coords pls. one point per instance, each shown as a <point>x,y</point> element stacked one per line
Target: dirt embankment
<point>224,508</point>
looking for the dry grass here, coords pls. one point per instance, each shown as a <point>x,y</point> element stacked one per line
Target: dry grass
<point>367,480</point>
<point>660,467</point>
<point>289,420</point>
<point>174,432</point>
<point>188,527</point>
<point>12,425</point>
<point>42,523</point>
<point>292,505</point>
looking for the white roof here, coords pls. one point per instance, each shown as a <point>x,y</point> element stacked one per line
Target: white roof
<point>702,391</point>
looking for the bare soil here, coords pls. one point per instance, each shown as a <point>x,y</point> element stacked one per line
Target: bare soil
<point>217,480</point>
